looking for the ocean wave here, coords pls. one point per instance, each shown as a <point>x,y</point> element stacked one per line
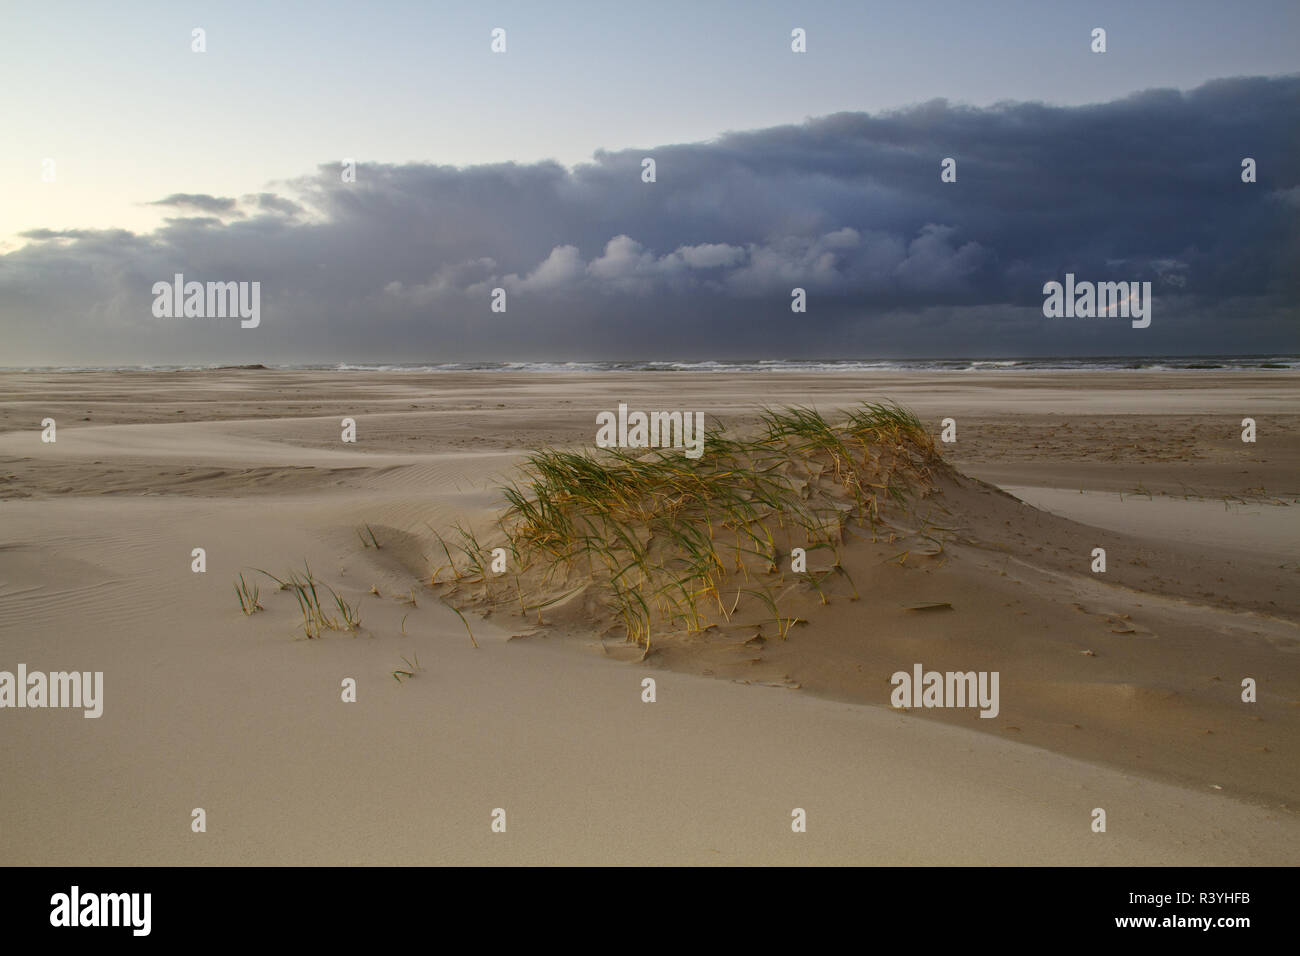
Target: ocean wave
<point>1223,363</point>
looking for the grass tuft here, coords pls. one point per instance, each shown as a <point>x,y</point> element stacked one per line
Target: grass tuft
<point>248,597</point>
<point>412,668</point>
<point>660,536</point>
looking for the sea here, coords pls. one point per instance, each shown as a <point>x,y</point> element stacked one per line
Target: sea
<point>1087,364</point>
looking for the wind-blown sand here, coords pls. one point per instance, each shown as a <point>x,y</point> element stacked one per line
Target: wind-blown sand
<point>1119,691</point>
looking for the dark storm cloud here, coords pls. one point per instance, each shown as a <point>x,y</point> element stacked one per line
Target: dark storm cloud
<point>850,207</point>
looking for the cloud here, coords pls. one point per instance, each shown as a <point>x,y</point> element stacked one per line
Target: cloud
<point>199,201</point>
<point>562,267</point>
<point>269,202</point>
<point>711,255</point>
<point>850,207</point>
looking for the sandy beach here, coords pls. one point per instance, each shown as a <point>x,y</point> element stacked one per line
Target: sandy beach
<point>1120,691</point>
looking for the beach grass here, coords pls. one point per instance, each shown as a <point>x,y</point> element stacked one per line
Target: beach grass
<point>412,668</point>
<point>322,607</point>
<point>248,596</point>
<point>658,539</point>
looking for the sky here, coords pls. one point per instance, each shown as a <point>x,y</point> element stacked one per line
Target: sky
<point>522,170</point>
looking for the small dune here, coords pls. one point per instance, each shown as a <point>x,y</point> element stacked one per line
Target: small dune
<point>656,544</point>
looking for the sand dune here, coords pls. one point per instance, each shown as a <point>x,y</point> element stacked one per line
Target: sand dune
<point>240,716</point>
